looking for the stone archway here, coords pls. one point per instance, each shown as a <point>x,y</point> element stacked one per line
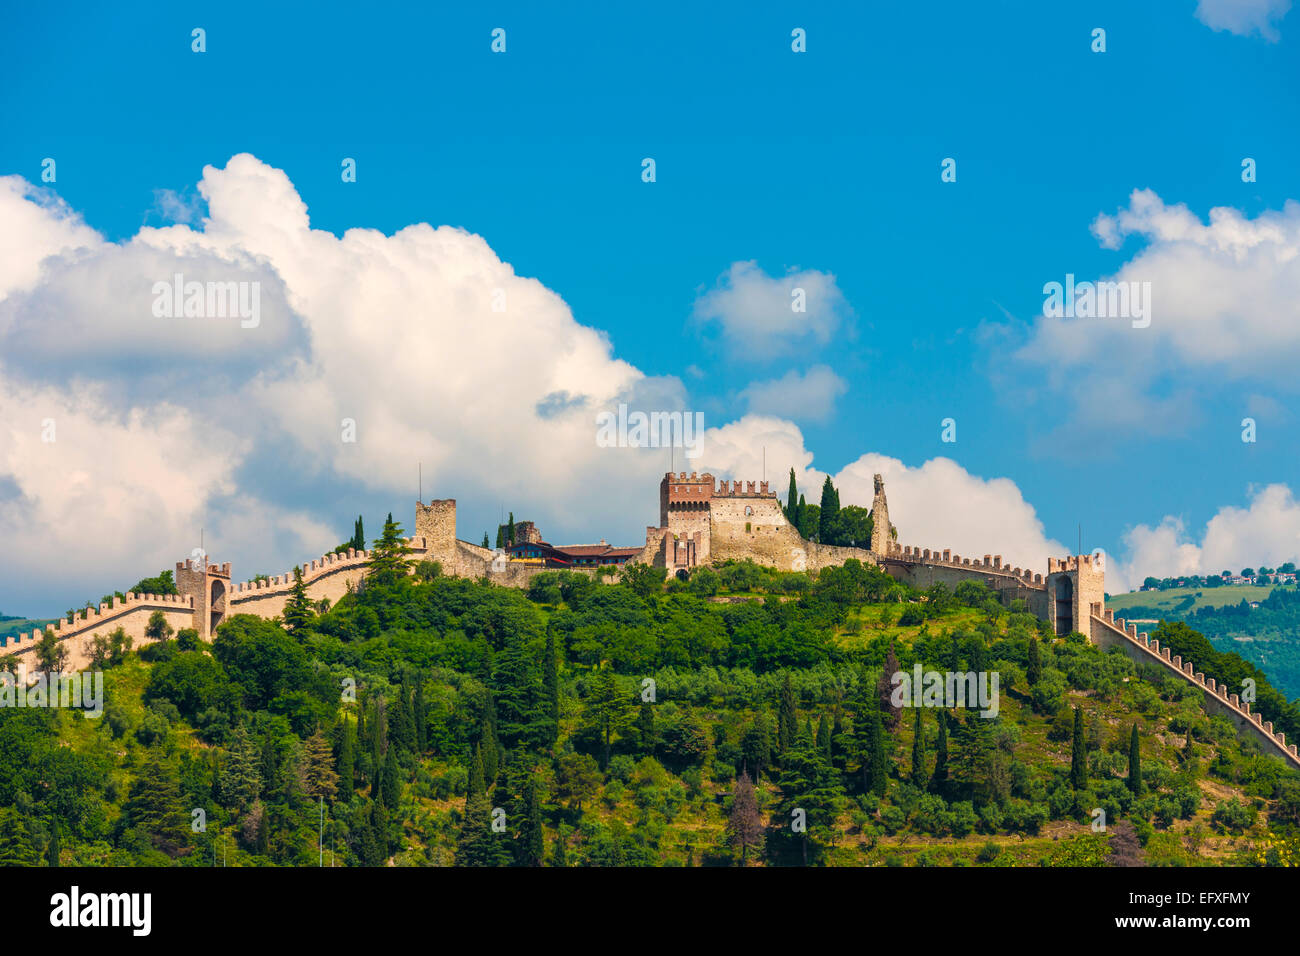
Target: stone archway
<point>216,606</point>
<point>1064,605</point>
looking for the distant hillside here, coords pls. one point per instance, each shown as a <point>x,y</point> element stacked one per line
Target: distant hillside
<point>10,626</point>
<point>1268,636</point>
<point>1180,600</point>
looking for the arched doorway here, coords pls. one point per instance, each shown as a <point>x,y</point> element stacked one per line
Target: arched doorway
<point>1064,605</point>
<point>216,606</point>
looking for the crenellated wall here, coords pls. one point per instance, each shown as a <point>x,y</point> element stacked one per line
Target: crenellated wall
<point>1106,631</point>
<point>131,614</point>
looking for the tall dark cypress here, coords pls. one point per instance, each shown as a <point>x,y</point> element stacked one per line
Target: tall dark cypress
<point>347,762</point>
<point>879,762</point>
<point>1078,755</point>
<point>551,687</point>
<point>824,737</point>
<point>1135,761</point>
<point>786,718</point>
<point>792,502</point>
<point>918,751</point>
<point>532,845</point>
<point>885,691</point>
<point>939,779</point>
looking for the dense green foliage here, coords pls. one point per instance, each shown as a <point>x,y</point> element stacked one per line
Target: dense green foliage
<point>741,716</point>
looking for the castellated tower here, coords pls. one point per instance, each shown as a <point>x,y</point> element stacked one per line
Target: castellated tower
<point>208,584</point>
<point>881,542</point>
<point>1074,584</point>
<point>436,523</point>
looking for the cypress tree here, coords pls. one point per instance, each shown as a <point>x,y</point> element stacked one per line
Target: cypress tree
<point>501,536</point>
<point>510,531</point>
<point>828,530</point>
<point>1135,761</point>
<point>918,751</point>
<point>52,851</point>
<point>485,540</point>
<point>551,688</point>
<point>391,784</point>
<point>560,857</point>
<point>792,502</point>
<point>1035,669</point>
<point>786,718</point>
<point>824,737</point>
<point>885,691</point>
<point>347,762</point>
<point>1078,755</point>
<point>532,845</point>
<point>879,763</point>
<point>939,780</point>
<point>421,716</point>
<point>359,534</point>
<point>645,725</point>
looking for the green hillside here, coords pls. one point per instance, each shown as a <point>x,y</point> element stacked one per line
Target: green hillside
<point>491,726</point>
<point>11,626</point>
<point>1187,598</point>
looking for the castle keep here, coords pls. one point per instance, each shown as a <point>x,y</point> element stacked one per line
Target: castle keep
<point>702,521</point>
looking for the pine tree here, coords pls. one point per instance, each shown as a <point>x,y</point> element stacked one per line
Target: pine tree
<point>1078,755</point>
<point>607,710</point>
<point>918,751</point>
<point>477,844</point>
<point>744,822</point>
<point>16,848</point>
<point>792,502</point>
<point>1035,669</point>
<point>154,808</point>
<point>939,779</point>
<point>1135,761</point>
<point>824,737</point>
<point>241,778</point>
<point>388,561</point>
<point>320,779</point>
<point>299,612</point>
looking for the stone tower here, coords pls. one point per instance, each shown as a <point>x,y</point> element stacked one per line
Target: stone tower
<point>208,584</point>
<point>1074,584</point>
<point>436,523</point>
<point>880,538</point>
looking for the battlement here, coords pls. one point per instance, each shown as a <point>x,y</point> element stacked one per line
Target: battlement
<point>210,568</point>
<point>91,619</point>
<point>747,491</point>
<point>1074,562</point>
<point>990,564</point>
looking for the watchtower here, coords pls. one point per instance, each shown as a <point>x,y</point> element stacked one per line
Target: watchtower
<point>208,584</point>
<point>1074,584</point>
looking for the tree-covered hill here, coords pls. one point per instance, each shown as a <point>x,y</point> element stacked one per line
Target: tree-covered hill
<point>436,721</point>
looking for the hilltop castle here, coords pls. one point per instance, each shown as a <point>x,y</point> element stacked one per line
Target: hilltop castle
<point>702,521</point>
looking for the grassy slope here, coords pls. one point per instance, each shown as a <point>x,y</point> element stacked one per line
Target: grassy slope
<point>1209,597</point>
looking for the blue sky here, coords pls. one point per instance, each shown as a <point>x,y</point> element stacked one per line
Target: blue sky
<point>824,163</point>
